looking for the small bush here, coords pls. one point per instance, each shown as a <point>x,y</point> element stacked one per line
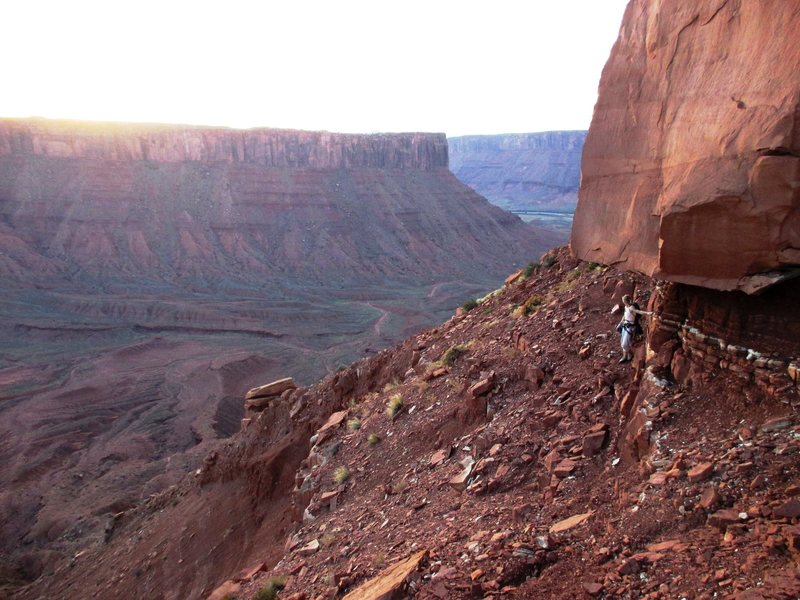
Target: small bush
<point>354,424</point>
<point>398,487</point>
<point>341,474</point>
<point>593,266</point>
<point>531,269</point>
<point>394,406</point>
<point>530,305</point>
<point>270,591</point>
<point>549,260</point>
<point>452,354</point>
<point>469,304</point>
<point>373,439</point>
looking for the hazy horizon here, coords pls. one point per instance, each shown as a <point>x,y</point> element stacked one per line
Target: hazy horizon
<point>353,67</point>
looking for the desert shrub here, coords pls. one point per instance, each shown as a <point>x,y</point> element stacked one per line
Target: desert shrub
<point>453,353</point>
<point>373,439</point>
<point>354,424</point>
<point>529,306</point>
<point>394,406</point>
<point>270,591</point>
<point>398,487</point>
<point>469,304</point>
<point>341,474</point>
<point>593,266</point>
<point>530,269</point>
<point>549,260</point>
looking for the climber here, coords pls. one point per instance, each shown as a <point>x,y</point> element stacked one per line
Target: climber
<point>629,327</point>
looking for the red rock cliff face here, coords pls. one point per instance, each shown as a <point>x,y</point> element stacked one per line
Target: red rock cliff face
<point>264,147</point>
<point>691,168</point>
<point>172,203</point>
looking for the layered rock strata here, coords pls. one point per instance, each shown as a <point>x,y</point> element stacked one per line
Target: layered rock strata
<point>522,171</point>
<point>103,202</point>
<point>691,168</point>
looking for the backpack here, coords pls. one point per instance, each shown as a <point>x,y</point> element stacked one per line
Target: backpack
<point>637,321</point>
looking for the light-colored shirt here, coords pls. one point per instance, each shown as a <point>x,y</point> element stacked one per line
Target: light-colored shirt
<point>629,316</point>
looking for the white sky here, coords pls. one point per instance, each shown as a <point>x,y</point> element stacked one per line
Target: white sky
<point>462,67</point>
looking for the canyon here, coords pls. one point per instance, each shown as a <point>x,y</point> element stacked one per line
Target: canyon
<point>534,175</point>
<point>152,274</point>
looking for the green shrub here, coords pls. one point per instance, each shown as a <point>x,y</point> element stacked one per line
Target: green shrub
<point>549,260</point>
<point>354,424</point>
<point>373,439</point>
<point>270,591</point>
<point>531,269</point>
<point>394,406</point>
<point>341,474</point>
<point>453,353</point>
<point>593,266</point>
<point>469,304</point>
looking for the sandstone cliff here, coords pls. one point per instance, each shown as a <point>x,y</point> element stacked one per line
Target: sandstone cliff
<point>264,147</point>
<point>525,171</point>
<point>691,168</point>
<point>106,202</point>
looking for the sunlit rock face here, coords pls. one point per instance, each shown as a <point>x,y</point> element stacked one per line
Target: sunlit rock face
<point>691,167</point>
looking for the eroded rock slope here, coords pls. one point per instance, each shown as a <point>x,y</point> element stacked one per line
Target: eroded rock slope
<point>505,453</point>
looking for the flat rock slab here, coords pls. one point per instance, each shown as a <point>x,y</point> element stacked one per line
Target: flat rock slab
<point>571,522</point>
<point>700,472</point>
<point>788,510</point>
<point>389,583</point>
<point>333,421</point>
<point>229,588</point>
<point>274,388</point>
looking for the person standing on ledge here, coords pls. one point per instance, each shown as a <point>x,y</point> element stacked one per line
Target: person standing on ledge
<point>629,327</point>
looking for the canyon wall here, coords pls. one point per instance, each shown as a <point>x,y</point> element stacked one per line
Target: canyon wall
<point>264,147</point>
<point>204,206</point>
<point>691,168</point>
<point>521,171</point>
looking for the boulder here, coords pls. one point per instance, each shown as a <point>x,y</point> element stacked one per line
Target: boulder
<point>274,388</point>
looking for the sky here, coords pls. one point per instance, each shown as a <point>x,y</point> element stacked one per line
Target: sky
<point>459,67</point>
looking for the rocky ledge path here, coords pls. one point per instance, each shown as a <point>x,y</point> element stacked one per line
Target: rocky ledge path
<point>513,460</point>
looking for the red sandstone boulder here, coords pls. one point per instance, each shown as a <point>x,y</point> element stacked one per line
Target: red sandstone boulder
<point>691,166</point>
<point>274,388</point>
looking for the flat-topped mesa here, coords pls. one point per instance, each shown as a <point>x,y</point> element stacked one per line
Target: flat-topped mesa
<point>262,147</point>
<point>691,167</point>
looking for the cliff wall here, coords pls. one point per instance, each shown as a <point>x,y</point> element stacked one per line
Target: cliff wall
<point>691,168</point>
<point>94,202</point>
<point>525,171</point>
<point>264,147</point>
